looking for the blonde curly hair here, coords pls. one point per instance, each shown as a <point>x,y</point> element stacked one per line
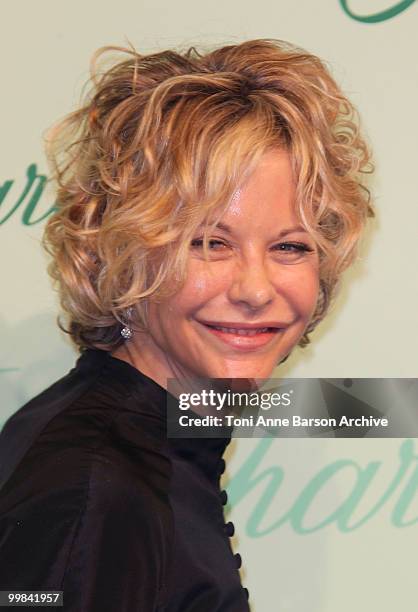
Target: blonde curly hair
<point>162,141</point>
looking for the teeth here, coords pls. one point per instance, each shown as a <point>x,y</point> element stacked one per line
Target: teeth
<point>242,332</point>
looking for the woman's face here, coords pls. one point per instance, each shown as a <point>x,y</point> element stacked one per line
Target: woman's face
<point>242,311</point>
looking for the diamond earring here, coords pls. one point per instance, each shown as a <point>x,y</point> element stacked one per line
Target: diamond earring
<point>126,332</point>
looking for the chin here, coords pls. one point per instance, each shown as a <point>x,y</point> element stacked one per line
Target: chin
<point>242,370</point>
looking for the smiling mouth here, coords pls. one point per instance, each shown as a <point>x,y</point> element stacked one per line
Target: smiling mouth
<point>243,331</point>
<point>249,337</point>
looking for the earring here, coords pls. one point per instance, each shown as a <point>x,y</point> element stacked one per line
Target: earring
<point>126,332</point>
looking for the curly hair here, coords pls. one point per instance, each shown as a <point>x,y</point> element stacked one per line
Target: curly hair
<point>163,140</point>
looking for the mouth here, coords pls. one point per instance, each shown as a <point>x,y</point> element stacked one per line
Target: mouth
<point>243,336</point>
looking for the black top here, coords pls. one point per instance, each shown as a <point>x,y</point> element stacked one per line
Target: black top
<point>97,501</point>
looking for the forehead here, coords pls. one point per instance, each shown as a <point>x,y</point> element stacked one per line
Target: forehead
<point>272,176</point>
<point>267,197</point>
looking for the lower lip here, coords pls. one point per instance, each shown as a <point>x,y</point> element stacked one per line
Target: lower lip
<point>244,343</point>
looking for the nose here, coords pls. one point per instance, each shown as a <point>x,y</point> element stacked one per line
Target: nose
<point>251,284</point>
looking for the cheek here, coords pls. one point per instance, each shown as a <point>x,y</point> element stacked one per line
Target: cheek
<point>201,286</point>
<point>301,286</point>
<point>311,300</point>
<point>308,292</point>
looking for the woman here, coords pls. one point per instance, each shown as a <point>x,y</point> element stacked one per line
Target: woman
<point>208,204</point>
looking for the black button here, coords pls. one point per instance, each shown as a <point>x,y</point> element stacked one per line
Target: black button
<point>224,497</point>
<point>238,560</point>
<point>221,466</point>
<point>247,594</point>
<point>229,528</point>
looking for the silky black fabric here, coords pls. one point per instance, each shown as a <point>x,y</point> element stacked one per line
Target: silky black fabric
<point>96,501</point>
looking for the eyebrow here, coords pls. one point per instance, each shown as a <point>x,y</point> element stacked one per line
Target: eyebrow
<point>283,232</point>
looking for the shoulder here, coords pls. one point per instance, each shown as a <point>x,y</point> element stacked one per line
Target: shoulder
<point>93,404</point>
<point>90,447</point>
<point>86,471</point>
<point>96,420</point>
<point>85,447</point>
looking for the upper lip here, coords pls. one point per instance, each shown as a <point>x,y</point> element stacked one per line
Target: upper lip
<point>236,325</point>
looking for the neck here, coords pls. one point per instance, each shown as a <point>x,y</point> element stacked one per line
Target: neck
<point>143,354</point>
<point>139,353</point>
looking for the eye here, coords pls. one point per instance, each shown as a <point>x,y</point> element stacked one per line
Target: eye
<point>293,247</point>
<point>292,251</point>
<point>213,244</point>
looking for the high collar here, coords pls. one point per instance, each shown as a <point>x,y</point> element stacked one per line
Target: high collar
<point>203,451</point>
